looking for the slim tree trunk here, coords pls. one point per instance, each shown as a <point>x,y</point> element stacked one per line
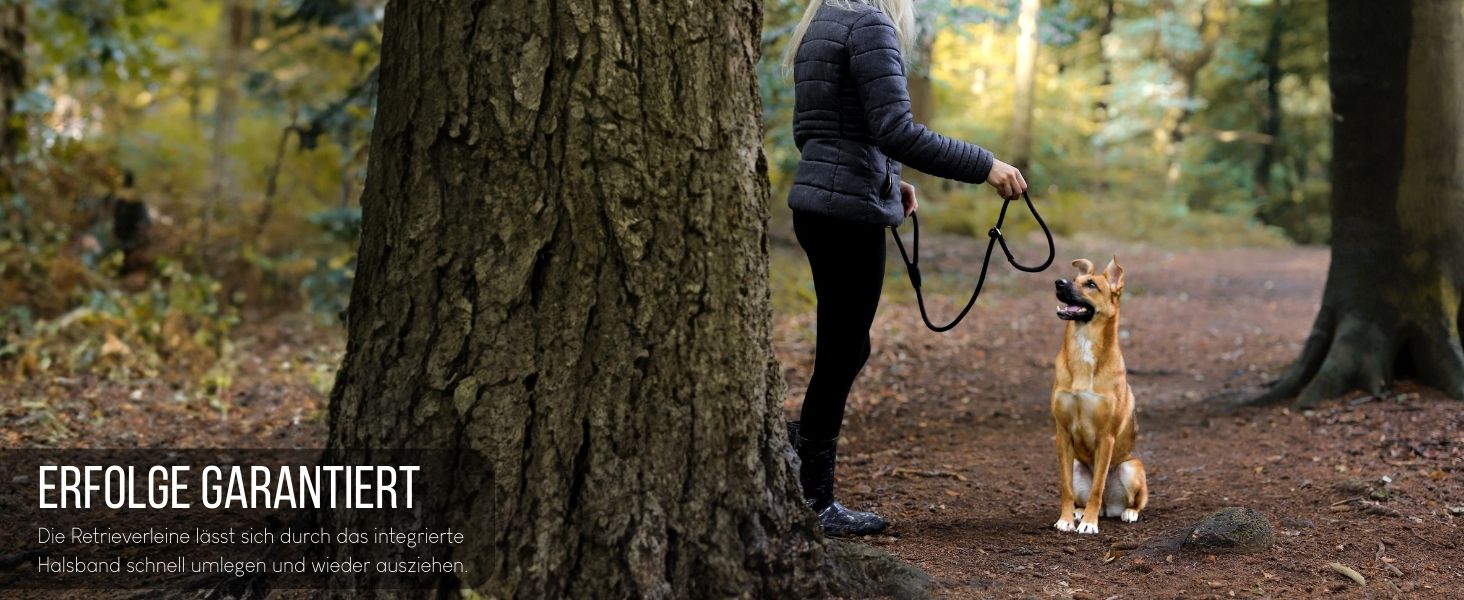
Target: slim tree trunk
<point>1185,63</point>
<point>1027,43</point>
<point>233,27</point>
<point>12,83</point>
<point>272,183</point>
<point>563,281</point>
<point>1175,135</point>
<point>1391,307</point>
<point>1271,121</point>
<point>922,93</point>
<point>1100,106</point>
<point>922,88</point>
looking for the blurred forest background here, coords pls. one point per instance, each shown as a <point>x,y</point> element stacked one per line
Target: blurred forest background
<point>175,171</point>
<point>1172,121</point>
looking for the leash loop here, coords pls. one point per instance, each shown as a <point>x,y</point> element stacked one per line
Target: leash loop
<point>912,260</point>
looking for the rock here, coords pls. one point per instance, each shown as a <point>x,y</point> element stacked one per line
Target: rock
<point>1380,491</point>
<point>1231,530</point>
<point>1352,485</point>
<point>859,571</point>
<point>1228,531</point>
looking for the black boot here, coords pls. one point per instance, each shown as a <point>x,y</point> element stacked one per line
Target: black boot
<point>817,476</point>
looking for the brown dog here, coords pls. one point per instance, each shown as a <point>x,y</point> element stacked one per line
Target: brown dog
<point>1093,407</point>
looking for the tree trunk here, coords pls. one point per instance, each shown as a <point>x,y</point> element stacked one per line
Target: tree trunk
<point>922,94</point>
<point>233,25</point>
<point>1271,121</point>
<point>12,84</point>
<point>563,281</point>
<point>1174,136</point>
<point>1391,307</point>
<point>1100,106</point>
<point>1185,64</point>
<point>1027,43</point>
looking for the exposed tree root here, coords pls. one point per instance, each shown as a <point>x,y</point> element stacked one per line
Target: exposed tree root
<point>1351,352</point>
<point>1301,371</point>
<point>859,571</point>
<point>11,561</point>
<point>1439,362</point>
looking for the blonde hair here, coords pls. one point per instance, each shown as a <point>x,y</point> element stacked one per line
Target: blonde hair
<point>901,12</point>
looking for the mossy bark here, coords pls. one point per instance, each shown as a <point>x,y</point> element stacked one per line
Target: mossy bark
<point>563,279</point>
<point>1391,307</point>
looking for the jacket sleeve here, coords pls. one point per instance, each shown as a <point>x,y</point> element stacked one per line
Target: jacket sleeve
<point>879,75</point>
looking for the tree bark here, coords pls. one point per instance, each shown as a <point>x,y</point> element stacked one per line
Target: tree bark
<point>1391,307</point>
<point>563,281</point>
<point>12,84</point>
<point>1026,78</point>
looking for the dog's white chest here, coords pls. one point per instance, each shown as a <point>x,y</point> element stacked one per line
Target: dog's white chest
<point>1084,345</point>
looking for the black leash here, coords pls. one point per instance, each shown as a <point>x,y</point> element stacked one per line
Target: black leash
<point>913,264</point>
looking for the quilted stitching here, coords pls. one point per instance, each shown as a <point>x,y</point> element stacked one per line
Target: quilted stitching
<point>849,60</point>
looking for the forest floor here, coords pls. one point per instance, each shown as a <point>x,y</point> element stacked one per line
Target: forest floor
<point>949,435</point>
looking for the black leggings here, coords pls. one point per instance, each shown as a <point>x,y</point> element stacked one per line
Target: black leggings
<point>848,263</point>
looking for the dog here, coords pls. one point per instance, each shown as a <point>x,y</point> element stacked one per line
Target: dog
<point>1093,406</point>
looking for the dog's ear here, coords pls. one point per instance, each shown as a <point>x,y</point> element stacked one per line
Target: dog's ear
<point>1084,266</point>
<point>1114,273</point>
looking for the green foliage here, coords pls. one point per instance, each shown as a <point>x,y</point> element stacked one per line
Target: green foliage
<point>263,223</point>
<point>177,321</point>
<point>106,40</point>
<point>135,85</point>
<point>1164,119</point>
<point>328,287</point>
<point>1158,130</point>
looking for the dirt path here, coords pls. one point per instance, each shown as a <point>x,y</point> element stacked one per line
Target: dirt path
<point>950,437</point>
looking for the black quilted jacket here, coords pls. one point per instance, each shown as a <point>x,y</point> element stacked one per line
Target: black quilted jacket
<point>853,125</point>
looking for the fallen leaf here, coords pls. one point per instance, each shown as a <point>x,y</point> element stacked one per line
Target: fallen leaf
<point>1349,573</point>
<point>114,347</point>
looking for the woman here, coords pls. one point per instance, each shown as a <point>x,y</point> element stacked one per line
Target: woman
<point>852,124</point>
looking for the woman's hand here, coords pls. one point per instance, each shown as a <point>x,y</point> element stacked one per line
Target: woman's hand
<point>1006,179</point>
<point>907,197</point>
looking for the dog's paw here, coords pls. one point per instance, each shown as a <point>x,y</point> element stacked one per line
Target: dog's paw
<point>1063,525</point>
<point>1129,515</point>
<point>1087,528</point>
